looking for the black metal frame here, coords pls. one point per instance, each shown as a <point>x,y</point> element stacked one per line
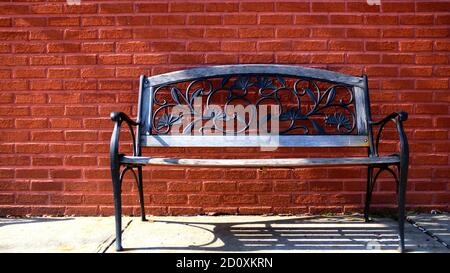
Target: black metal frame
<point>400,174</point>
<point>117,175</point>
<point>400,171</point>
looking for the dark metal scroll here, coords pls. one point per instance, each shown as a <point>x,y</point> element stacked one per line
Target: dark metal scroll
<point>306,106</point>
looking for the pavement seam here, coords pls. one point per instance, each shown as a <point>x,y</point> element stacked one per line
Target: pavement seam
<point>427,232</point>
<point>108,245</point>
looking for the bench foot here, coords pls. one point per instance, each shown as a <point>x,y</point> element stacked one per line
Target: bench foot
<point>119,248</point>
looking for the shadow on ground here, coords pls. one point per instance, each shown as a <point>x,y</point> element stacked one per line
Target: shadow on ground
<point>253,234</point>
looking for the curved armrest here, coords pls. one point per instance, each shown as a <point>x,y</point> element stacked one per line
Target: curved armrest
<point>120,117</point>
<point>397,118</point>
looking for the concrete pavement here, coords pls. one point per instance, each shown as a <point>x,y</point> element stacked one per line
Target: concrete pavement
<point>222,234</point>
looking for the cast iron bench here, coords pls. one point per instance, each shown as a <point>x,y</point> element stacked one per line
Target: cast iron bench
<point>316,108</point>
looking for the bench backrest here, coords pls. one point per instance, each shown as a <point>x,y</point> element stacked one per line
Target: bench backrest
<point>318,108</point>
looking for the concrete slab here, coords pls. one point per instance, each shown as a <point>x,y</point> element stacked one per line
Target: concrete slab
<point>437,224</point>
<point>52,234</point>
<point>271,234</point>
<point>218,234</point>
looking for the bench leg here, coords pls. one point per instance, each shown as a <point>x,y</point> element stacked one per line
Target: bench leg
<point>369,189</point>
<point>117,190</point>
<point>401,204</point>
<point>141,193</point>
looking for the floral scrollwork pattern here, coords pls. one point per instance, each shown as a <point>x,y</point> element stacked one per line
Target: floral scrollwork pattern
<point>305,106</point>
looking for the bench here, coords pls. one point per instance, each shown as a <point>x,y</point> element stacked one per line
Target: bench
<point>303,107</point>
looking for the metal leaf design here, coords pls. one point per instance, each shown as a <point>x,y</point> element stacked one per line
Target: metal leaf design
<point>331,94</point>
<point>339,120</point>
<point>242,83</point>
<point>264,83</point>
<point>167,120</point>
<point>175,93</point>
<point>292,114</point>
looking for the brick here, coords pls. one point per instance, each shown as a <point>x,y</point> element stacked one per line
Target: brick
<point>63,47</point>
<point>398,33</point>
<point>31,173</point>
<point>115,33</point>
<point>13,35</point>
<point>14,9</point>
<point>46,186</point>
<point>169,199</point>
<point>328,7</point>
<point>66,199</point>
<point>32,199</point>
<point>433,6</point>
<point>255,187</point>
<point>275,19</point>
<point>152,7</point>
<point>204,20</point>
<point>292,33</point>
<point>48,135</point>
<point>416,19</point>
<point>235,46</point>
<point>63,21</point>
<point>274,200</point>
<point>31,123</point>
<point>98,21</point>
<point>46,34</point>
<point>222,7</point>
<point>257,6</point>
<point>202,199</point>
<point>381,46</point>
<point>256,32</point>
<point>221,58</point>
<point>71,34</point>
<point>116,8</point>
<point>432,59</point>
<point>346,19</point>
<point>203,46</point>
<point>292,7</point>
<point>397,7</point>
<point>241,19</point>
<point>220,186</point>
<point>186,7</point>
<point>416,46</point>
<point>327,58</point>
<point>274,46</point>
<point>46,8</point>
<point>186,58</point>
<point>150,59</point>
<point>150,33</point>
<point>185,33</point>
<point>346,46</point>
<point>382,19</point>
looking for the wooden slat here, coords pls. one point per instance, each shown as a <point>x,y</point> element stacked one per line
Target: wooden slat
<point>276,162</point>
<point>261,69</point>
<point>255,141</point>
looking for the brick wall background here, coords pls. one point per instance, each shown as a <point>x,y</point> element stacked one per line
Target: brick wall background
<point>64,68</point>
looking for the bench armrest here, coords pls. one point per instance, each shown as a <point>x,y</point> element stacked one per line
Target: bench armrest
<point>397,118</point>
<point>118,118</point>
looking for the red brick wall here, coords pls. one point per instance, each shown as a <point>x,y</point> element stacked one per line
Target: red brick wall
<point>63,69</point>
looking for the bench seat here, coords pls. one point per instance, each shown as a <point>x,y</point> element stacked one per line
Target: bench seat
<point>265,162</point>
